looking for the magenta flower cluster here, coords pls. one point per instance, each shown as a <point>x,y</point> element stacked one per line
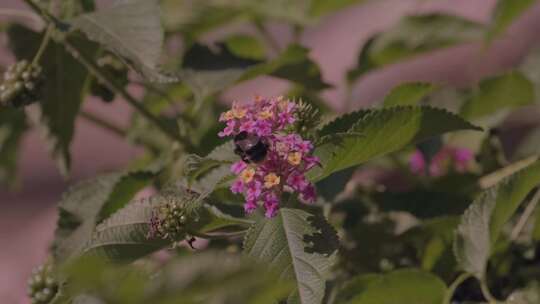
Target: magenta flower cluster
<point>288,156</point>
<point>458,159</point>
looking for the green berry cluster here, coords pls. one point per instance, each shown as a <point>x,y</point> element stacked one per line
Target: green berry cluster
<point>42,285</point>
<point>22,84</point>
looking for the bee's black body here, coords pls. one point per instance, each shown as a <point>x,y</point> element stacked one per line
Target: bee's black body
<point>250,148</point>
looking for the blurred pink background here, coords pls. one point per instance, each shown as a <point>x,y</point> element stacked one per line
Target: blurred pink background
<point>28,216</point>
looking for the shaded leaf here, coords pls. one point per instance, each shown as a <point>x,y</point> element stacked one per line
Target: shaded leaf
<point>408,94</point>
<point>132,30</point>
<point>398,126</point>
<point>506,12</point>
<point>84,205</point>
<point>12,127</point>
<point>412,36</point>
<point>299,246</point>
<point>506,91</point>
<point>63,92</point>
<point>400,286</point>
<point>245,46</point>
<point>483,221</point>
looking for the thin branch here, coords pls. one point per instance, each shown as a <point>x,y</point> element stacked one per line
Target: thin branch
<point>272,42</point>
<point>452,288</point>
<point>43,46</point>
<point>487,294</point>
<point>525,216</point>
<point>105,124</point>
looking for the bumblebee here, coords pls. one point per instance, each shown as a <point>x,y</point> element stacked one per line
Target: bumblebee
<point>250,148</point>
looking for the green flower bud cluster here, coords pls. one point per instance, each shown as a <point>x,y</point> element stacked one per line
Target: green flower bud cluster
<point>169,220</point>
<point>22,84</point>
<point>42,285</point>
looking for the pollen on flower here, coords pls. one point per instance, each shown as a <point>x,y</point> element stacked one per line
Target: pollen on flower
<point>247,175</point>
<point>295,158</point>
<point>286,159</point>
<point>271,180</point>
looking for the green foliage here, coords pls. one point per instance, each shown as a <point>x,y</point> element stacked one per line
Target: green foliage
<point>298,245</point>
<point>401,286</point>
<point>12,127</point>
<point>399,126</point>
<point>63,91</point>
<point>408,94</point>
<point>406,225</point>
<point>506,11</point>
<point>483,221</point>
<point>131,29</point>
<point>501,92</point>
<point>414,35</point>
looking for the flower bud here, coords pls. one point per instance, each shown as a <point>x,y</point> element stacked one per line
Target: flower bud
<point>21,85</point>
<point>42,285</point>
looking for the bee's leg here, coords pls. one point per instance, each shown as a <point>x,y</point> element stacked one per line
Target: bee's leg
<point>190,242</point>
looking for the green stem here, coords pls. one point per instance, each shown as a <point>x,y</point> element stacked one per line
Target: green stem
<point>452,288</point>
<point>272,42</point>
<point>487,294</point>
<point>107,125</point>
<point>43,46</point>
<point>525,216</point>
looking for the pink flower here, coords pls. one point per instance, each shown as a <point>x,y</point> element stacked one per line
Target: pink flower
<point>237,186</point>
<point>238,167</point>
<point>447,158</point>
<point>287,160</point>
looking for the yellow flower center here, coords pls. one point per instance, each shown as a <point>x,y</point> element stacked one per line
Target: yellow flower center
<point>247,175</point>
<point>295,158</point>
<point>228,115</point>
<point>239,112</point>
<point>271,180</point>
<point>266,114</point>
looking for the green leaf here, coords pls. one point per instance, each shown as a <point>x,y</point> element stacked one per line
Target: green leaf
<point>87,203</point>
<point>323,7</point>
<point>482,222</point>
<point>188,279</point>
<point>131,29</point>
<point>408,94</point>
<point>12,127</point>
<point>245,46</point>
<point>63,92</point>
<point>506,91</point>
<point>294,65</point>
<point>207,72</point>
<point>400,286</point>
<point>412,36</point>
<point>505,13</point>
<point>398,126</point>
<point>125,236</point>
<point>299,246</point>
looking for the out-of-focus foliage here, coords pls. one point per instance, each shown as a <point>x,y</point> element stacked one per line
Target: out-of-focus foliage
<point>429,196</point>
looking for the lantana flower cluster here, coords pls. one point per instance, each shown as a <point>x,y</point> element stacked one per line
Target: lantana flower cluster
<point>288,156</point>
<point>459,159</point>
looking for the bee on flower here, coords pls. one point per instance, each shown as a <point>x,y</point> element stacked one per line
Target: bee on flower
<point>273,160</point>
